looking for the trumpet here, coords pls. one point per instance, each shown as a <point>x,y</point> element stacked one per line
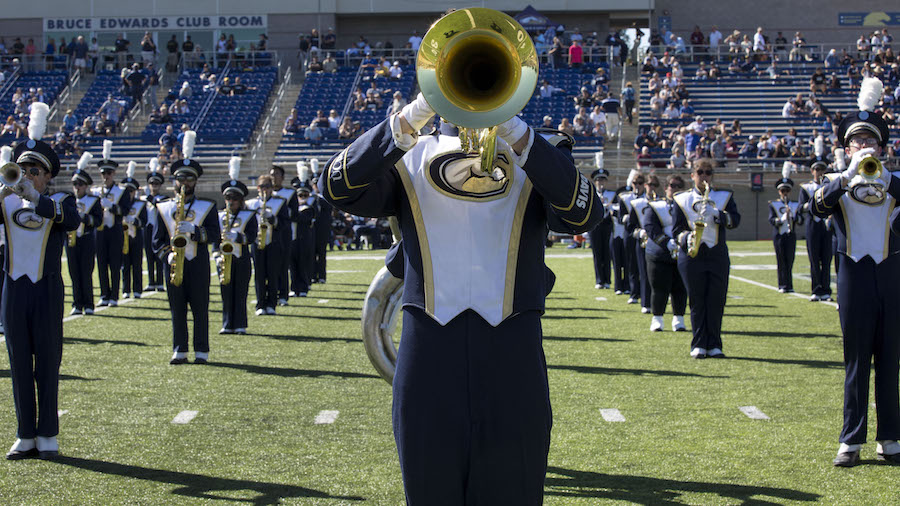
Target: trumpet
<point>787,211</point>
<point>870,168</point>
<point>227,249</point>
<point>696,237</point>
<point>179,241</point>
<point>11,174</point>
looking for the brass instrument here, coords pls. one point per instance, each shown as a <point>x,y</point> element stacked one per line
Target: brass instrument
<point>11,174</point>
<point>787,212</point>
<point>477,68</point>
<point>263,227</point>
<point>227,249</point>
<point>179,241</point>
<point>381,314</point>
<point>696,237</point>
<point>125,227</point>
<point>870,168</point>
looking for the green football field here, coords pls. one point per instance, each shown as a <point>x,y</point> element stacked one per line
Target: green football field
<point>681,436</point>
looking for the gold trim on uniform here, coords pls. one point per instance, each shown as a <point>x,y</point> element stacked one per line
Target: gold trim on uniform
<point>887,228</point>
<point>574,196</point>
<point>512,252</point>
<point>848,247</point>
<point>422,235</point>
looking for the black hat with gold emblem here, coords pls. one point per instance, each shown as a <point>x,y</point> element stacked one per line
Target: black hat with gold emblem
<point>187,165</point>
<point>33,149</point>
<point>234,185</point>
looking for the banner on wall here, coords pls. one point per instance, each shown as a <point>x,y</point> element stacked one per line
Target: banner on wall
<point>869,18</point>
<point>135,23</point>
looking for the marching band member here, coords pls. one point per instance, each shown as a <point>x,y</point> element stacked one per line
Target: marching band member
<point>662,269</point>
<point>303,248</point>
<point>5,156</point>
<point>322,224</point>
<point>819,245</point>
<point>198,226</point>
<point>288,234</point>
<point>706,274</point>
<point>133,262</point>
<point>269,248</point>
<point>784,216</point>
<point>238,226</point>
<point>115,202</point>
<point>640,207</point>
<point>471,407</point>
<point>36,229</point>
<point>80,244</point>
<point>617,247</point>
<point>155,180</point>
<point>601,236</point>
<point>861,201</point>
<point>633,190</point>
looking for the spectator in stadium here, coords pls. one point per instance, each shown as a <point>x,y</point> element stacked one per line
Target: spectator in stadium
<point>290,123</point>
<point>644,159</point>
<point>359,99</point>
<point>374,99</point>
<point>321,120</point>
<point>834,84</point>
<point>397,104</point>
<point>186,91</point>
<point>781,149</point>
<point>556,54</point>
<point>161,115</point>
<point>628,95</point>
<point>348,129</point>
<point>70,122</point>
<point>798,49</point>
<point>697,125</point>
<point>772,71</point>
<point>395,71</point>
<point>329,64</point>
<point>701,74</point>
<point>12,127</point>
<point>817,82</point>
<point>226,88</point>
<point>650,62</point>
<point>112,108</point>
<point>582,123</point>
<point>334,121</point>
<point>697,40</point>
<point>781,47</point>
<point>733,41</point>
<point>598,117</point>
<point>759,41</point>
<point>715,38</point>
<point>566,126</point>
<point>610,106</point>
<point>315,66</point>
<point>415,39</point>
<point>677,161</point>
<point>687,110</point>
<point>583,99</point>
<point>670,81</point>
<point>168,140</point>
<point>798,152</point>
<point>548,122</point>
<point>671,112</point>
<point>789,110</point>
<point>547,90</point>
<point>135,80</point>
<point>87,128</point>
<point>211,86</point>
<point>121,49</point>
<point>148,48</point>
<point>831,59</point>
<point>313,133</point>
<point>576,54</point>
<point>691,144</point>
<point>329,40</point>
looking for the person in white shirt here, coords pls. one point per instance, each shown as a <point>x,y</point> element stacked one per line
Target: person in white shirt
<point>788,111</point>
<point>670,81</point>
<point>715,37</point>
<point>396,71</point>
<point>677,71</point>
<point>598,116</point>
<point>547,90</point>
<point>671,112</point>
<point>334,121</point>
<point>697,125</point>
<point>415,40</point>
<point>759,42</point>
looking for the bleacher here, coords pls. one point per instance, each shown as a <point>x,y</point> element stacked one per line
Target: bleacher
<point>105,83</point>
<point>51,81</point>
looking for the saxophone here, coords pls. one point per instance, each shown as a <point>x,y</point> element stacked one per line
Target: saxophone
<point>179,241</point>
<point>227,249</point>
<point>125,247</point>
<point>787,211</point>
<point>263,227</point>
<point>73,235</point>
<point>696,237</point>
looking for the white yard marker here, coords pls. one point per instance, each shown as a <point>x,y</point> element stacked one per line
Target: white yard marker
<point>184,417</point>
<point>326,417</point>
<point>612,415</point>
<point>770,287</point>
<point>61,412</point>
<point>753,412</point>
<point>322,301</point>
<point>601,299</point>
<point>751,254</point>
<point>754,267</point>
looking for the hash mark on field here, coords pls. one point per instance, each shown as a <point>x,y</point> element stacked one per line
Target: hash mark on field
<point>322,301</point>
<point>326,417</point>
<point>601,299</point>
<point>612,415</point>
<point>184,417</point>
<point>61,412</point>
<point>753,412</point>
<point>736,297</point>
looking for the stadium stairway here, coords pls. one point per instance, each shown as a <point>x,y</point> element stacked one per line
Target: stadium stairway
<point>276,112</point>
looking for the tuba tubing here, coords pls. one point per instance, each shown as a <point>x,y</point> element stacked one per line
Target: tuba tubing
<point>381,311</point>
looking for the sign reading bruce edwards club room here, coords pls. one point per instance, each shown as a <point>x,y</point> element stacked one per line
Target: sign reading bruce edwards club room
<point>124,23</point>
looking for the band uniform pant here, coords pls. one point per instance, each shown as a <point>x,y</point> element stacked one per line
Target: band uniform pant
<point>640,255</point>
<point>2,277</point>
<point>154,263</point>
<point>284,270</point>
<point>109,260</point>
<point>193,292</point>
<point>302,258</point>
<point>471,410</point>
<point>819,248</point>
<point>632,275</point>
<point>234,294</point>
<point>320,262</point>
<point>600,245</point>
<point>706,280</point>
<point>870,323</point>
<point>267,267</point>
<point>665,281</point>
<point>133,264</point>
<point>785,248</point>
<point>32,314</point>
<point>80,260</point>
<point>619,273</point>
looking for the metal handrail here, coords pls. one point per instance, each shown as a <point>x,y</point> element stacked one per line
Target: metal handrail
<point>64,95</point>
<point>349,103</point>
<point>195,126</point>
<point>259,143</point>
<point>9,82</point>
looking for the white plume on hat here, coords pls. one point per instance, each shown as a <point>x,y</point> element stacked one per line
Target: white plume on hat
<point>840,163</point>
<point>5,154</point>
<point>787,168</point>
<point>869,93</point>
<point>234,167</point>
<point>314,164</point>
<point>153,164</point>
<point>631,175</point>
<point>84,161</point>
<point>107,149</point>
<point>187,144</point>
<point>304,173</point>
<point>819,146</point>
<point>129,172</point>
<point>598,159</point>
<point>37,122</point>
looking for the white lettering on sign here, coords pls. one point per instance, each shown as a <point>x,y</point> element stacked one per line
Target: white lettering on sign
<point>113,24</point>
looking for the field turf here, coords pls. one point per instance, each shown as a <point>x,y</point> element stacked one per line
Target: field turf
<point>254,439</point>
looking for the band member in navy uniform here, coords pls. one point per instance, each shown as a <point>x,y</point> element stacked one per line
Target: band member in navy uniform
<point>80,244</point>
<point>287,233</point>
<point>706,275</point>
<point>634,189</point>
<point>640,209</point>
<point>238,225</point>
<point>322,224</point>
<point>662,269</point>
<point>601,236</point>
<point>784,216</point>
<point>155,180</point>
<point>134,220</point>
<point>471,406</point>
<point>5,156</point>
<point>303,248</point>
<point>819,245</point>
<point>200,227</point>
<point>269,250</point>
<point>37,224</point>
<point>115,202</point>
<point>617,246</point>
<point>862,202</point>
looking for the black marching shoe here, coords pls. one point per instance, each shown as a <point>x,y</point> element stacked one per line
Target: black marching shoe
<point>22,449</point>
<point>178,358</point>
<point>848,456</point>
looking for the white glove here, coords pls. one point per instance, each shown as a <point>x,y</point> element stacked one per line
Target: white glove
<point>417,113</point>
<point>671,245</point>
<point>186,227</point>
<point>26,190</point>
<point>710,214</point>
<point>785,218</point>
<point>643,235</point>
<point>171,259</point>
<point>512,130</point>
<point>853,167</point>
<point>106,203</point>
<point>231,236</point>
<point>267,213</point>
<point>129,220</point>
<point>6,192</point>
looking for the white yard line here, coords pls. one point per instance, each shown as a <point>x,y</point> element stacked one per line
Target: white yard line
<point>753,412</point>
<point>185,417</point>
<point>601,299</point>
<point>770,287</point>
<point>739,254</point>
<point>612,415</point>
<point>322,301</point>
<point>754,267</point>
<point>104,308</point>
<point>326,417</point>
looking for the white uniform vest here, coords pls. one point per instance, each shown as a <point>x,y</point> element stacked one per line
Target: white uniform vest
<point>85,204</point>
<point>238,224</point>
<point>275,204</point>
<point>868,227</point>
<point>27,235</point>
<point>286,194</point>
<point>811,188</point>
<point>663,211</point>
<point>114,194</point>
<point>779,208</point>
<point>135,210</point>
<point>195,212</point>
<point>687,200</point>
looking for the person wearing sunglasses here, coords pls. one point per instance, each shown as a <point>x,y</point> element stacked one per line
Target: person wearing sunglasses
<point>867,225</point>
<point>640,207</point>
<point>662,268</point>
<point>288,234</point>
<point>134,220</point>
<point>36,226</point>
<point>634,189</point>
<point>155,179</point>
<point>110,237</point>
<point>303,248</point>
<point>819,247</point>
<point>239,227</point>
<point>201,227</point>
<point>784,216</point>
<point>269,250</point>
<point>601,236</point>
<point>705,275</point>
<point>81,244</point>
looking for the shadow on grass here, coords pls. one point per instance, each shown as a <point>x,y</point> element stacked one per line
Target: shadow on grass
<point>646,490</point>
<point>287,372</point>
<point>572,317</point>
<point>755,306</point>
<point>202,486</point>
<point>307,339</point>
<point>71,340</point>
<point>549,309</point>
<point>587,339</point>
<point>319,317</point>
<point>634,372</point>
<point>4,373</point>
<point>108,314</point>
<point>761,315</point>
<point>815,364</point>
<point>775,333</point>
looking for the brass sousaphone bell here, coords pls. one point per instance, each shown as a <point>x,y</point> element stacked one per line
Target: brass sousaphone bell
<point>477,68</point>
